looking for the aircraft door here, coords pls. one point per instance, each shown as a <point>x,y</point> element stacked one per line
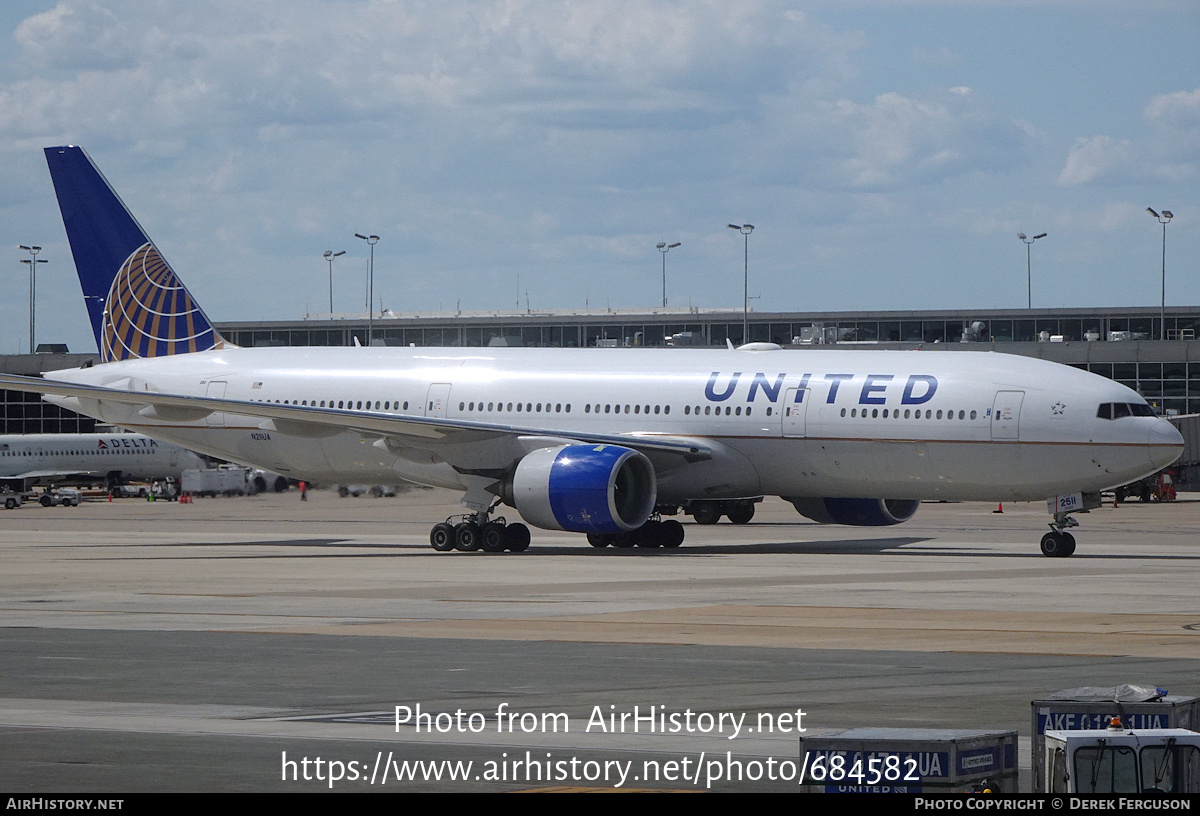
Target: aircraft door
<point>438,401</point>
<point>1006,416</point>
<point>794,412</point>
<point>216,390</point>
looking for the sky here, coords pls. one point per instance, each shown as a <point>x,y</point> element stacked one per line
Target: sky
<point>887,151</point>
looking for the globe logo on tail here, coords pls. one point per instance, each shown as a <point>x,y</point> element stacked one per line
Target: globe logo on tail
<point>149,312</point>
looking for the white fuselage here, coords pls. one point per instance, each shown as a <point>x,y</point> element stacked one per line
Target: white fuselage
<point>843,423</point>
<point>54,456</point>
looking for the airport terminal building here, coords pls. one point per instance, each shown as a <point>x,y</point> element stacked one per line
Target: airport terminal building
<point>1124,344</point>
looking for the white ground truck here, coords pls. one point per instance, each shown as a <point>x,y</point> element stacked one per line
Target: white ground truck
<point>1116,760</point>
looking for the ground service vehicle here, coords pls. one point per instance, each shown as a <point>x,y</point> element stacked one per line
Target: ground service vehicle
<point>1119,760</point>
<point>61,497</point>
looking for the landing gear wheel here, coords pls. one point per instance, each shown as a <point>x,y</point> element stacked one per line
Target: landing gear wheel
<point>622,540</point>
<point>672,533</point>
<point>598,540</point>
<point>1058,545</point>
<point>493,537</point>
<point>467,536</point>
<point>741,514</point>
<point>649,535</point>
<point>706,514</point>
<point>441,537</point>
<point>516,537</point>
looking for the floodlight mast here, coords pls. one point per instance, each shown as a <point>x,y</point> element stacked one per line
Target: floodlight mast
<point>1163,219</point>
<point>664,248</point>
<point>329,256</point>
<point>745,230</point>
<point>32,263</point>
<point>1028,273</point>
<point>372,240</point>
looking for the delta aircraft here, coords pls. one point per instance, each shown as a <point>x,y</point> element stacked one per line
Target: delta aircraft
<point>112,456</point>
<point>598,441</point>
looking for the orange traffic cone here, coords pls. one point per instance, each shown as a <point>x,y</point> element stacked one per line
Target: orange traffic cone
<point>999,508</point>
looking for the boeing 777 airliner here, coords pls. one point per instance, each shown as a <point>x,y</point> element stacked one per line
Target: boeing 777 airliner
<point>597,441</point>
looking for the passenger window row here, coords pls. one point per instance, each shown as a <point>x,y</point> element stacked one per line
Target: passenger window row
<point>610,408</point>
<point>929,413</point>
<point>1107,410</point>
<point>352,405</point>
<point>520,407</point>
<point>710,410</point>
<point>85,452</point>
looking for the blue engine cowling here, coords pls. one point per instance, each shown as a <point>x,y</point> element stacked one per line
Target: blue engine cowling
<point>584,488</point>
<point>857,512</point>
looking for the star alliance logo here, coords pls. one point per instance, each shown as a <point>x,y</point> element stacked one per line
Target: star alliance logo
<point>1058,408</point>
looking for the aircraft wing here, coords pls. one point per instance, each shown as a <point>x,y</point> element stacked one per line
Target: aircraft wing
<point>470,443</point>
<point>50,474</point>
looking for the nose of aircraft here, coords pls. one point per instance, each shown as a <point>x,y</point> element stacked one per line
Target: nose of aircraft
<point>1165,444</point>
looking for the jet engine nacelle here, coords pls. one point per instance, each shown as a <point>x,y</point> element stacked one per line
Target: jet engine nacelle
<point>857,512</point>
<point>583,488</point>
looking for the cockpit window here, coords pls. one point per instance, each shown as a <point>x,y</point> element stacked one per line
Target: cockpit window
<point>1116,410</point>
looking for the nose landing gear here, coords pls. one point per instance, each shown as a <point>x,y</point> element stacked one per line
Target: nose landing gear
<point>1058,543</point>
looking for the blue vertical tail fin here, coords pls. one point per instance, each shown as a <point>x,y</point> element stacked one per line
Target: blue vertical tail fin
<point>137,304</point>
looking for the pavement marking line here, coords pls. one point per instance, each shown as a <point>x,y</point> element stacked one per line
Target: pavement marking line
<point>982,631</point>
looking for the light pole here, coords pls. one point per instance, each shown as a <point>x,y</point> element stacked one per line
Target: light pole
<point>1163,219</point>
<point>329,256</point>
<point>32,262</point>
<point>372,240</point>
<point>1028,274</point>
<point>664,248</point>
<point>745,230</point>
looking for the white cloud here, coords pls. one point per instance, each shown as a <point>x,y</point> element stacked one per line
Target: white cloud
<point>1180,110</point>
<point>1175,146</point>
<point>450,82</point>
<point>1169,150</point>
<point>1096,158</point>
<point>364,59</point>
<point>557,140</point>
<point>922,139</point>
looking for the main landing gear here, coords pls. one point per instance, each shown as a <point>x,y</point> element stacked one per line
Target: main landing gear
<point>709,511</point>
<point>475,531</point>
<point>654,533</point>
